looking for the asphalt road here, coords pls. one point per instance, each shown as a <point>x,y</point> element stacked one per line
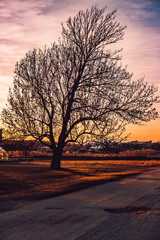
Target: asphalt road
<point>126,209</point>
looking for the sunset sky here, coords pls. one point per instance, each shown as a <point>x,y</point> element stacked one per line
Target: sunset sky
<point>27,24</point>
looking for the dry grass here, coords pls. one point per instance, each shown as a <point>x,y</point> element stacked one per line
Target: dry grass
<point>135,153</point>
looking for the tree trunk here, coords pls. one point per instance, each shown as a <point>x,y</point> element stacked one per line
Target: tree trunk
<point>56,160</point>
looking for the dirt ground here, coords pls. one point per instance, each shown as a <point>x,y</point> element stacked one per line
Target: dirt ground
<point>30,181</point>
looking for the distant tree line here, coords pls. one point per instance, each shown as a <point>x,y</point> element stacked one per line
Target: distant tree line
<point>108,147</point>
<point>124,146</point>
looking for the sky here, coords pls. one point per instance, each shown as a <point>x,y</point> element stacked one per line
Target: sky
<point>28,24</point>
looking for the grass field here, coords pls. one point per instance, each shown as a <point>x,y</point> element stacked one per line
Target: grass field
<point>29,181</point>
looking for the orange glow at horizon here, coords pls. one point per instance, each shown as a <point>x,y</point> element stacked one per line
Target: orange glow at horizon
<point>150,131</point>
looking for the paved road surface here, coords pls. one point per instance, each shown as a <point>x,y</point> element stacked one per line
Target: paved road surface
<point>127,209</point>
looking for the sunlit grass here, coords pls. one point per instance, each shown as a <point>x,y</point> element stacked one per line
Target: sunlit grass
<point>32,179</point>
<point>99,164</point>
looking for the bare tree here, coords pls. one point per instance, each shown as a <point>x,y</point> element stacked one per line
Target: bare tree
<point>77,90</point>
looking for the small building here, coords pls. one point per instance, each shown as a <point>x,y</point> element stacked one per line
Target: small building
<point>3,155</point>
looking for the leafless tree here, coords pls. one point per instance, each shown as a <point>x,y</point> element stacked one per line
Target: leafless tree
<point>77,90</point>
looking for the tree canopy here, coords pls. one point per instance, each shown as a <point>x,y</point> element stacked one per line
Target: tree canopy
<point>77,90</point>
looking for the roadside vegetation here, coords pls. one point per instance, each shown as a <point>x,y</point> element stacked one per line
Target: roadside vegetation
<point>135,154</point>
<point>32,149</point>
